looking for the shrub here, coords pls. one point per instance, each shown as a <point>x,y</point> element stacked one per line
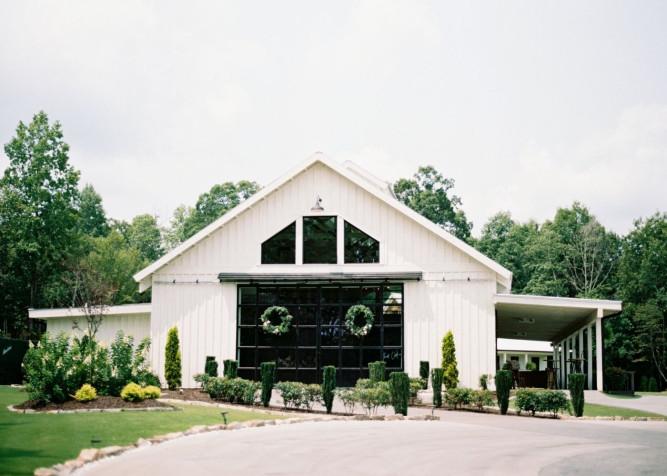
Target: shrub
<point>458,397</point>
<point>484,381</point>
<point>399,384</point>
<point>503,386</point>
<point>87,354</point>
<point>151,392</point>
<point>614,378</point>
<point>219,388</point>
<point>172,360</point>
<point>268,377</point>
<point>507,366</point>
<point>436,383</point>
<point>377,371</point>
<point>211,366</point>
<point>120,357</point>
<point>230,390</point>
<point>643,386</point>
<point>132,392</point>
<point>372,398</point>
<point>527,400</point>
<point>86,393</point>
<point>416,384</point>
<point>291,393</point>
<point>202,379</point>
<point>652,385</point>
<point>450,377</point>
<point>231,368</point>
<point>46,368</point>
<point>531,366</point>
<point>424,372</point>
<point>147,378</point>
<point>576,382</point>
<point>328,386</point>
<point>347,398</point>
<point>364,383</point>
<point>312,394</point>
<point>553,401</point>
<point>481,399</point>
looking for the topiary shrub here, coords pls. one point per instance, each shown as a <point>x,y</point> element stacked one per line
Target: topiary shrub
<point>399,384</point>
<point>231,368</point>
<point>436,383</point>
<point>576,382</point>
<point>268,378</point>
<point>652,385</point>
<point>151,392</point>
<point>86,393</point>
<point>530,366</point>
<point>643,386</point>
<point>424,372</point>
<point>172,360</point>
<point>211,366</point>
<point>484,381</point>
<point>450,376</point>
<point>614,378</point>
<point>328,386</point>
<point>132,392</point>
<point>377,371</point>
<point>503,387</point>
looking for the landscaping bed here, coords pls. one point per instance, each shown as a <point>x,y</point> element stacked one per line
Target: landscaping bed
<point>101,403</point>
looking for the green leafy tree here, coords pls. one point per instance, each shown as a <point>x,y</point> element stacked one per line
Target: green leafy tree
<point>172,360</point>
<point>92,218</point>
<point>450,372</point>
<point>144,234</point>
<point>428,193</point>
<point>651,332</point>
<point>38,214</point>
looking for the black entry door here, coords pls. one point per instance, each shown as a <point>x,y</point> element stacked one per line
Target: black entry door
<point>318,335</point>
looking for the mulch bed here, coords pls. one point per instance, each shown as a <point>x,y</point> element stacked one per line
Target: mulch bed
<point>100,403</point>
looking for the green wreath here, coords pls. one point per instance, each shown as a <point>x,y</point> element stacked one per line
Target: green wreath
<point>357,314</point>
<point>273,314</point>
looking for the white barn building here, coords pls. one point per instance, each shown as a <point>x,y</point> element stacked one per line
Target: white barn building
<point>318,240</point>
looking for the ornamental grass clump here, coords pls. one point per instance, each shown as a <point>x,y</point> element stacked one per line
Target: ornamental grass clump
<point>231,368</point>
<point>86,393</point>
<point>503,386</point>
<point>436,383</point>
<point>268,378</point>
<point>328,386</point>
<point>576,382</point>
<point>172,360</point>
<point>399,384</point>
<point>377,371</point>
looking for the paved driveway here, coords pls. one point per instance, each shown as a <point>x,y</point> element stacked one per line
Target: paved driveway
<point>462,443</point>
<point>647,403</point>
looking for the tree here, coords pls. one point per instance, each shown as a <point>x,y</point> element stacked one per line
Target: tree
<point>652,334</point>
<point>38,216</point>
<point>172,360</point>
<point>144,234</point>
<point>92,218</point>
<point>427,194</point>
<point>449,368</point>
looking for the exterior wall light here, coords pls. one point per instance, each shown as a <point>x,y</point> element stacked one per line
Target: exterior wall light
<point>318,205</point>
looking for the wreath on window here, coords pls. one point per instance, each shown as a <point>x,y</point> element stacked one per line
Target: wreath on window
<point>359,320</point>
<point>271,316</point>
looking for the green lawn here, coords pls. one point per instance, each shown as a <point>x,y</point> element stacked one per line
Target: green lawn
<point>593,410</point>
<point>652,394</point>
<point>29,441</point>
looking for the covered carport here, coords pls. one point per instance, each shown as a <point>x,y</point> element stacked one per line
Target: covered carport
<point>572,325</point>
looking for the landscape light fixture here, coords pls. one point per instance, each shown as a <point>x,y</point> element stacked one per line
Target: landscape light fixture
<point>318,205</point>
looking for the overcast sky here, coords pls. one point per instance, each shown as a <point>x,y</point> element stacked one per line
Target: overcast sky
<point>528,106</point>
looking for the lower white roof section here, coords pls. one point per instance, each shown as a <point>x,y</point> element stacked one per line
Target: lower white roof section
<point>321,273</point>
<point>123,310</point>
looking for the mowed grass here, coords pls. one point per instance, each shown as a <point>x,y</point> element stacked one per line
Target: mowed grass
<point>30,441</point>
<point>594,410</point>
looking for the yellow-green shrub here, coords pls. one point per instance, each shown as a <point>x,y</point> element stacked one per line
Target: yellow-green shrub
<point>151,392</point>
<point>132,392</point>
<point>86,393</point>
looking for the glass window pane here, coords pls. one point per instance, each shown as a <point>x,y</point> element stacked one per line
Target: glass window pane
<point>330,294</point>
<point>247,336</point>
<point>350,295</point>
<point>267,296</point>
<point>285,375</point>
<point>307,376</point>
<point>286,295</point>
<point>392,336</point>
<point>266,355</point>
<point>286,358</point>
<point>393,318</point>
<point>246,358</point>
<point>373,337</point>
<point>393,357</point>
<point>307,336</point>
<point>307,358</point>
<point>350,357</point>
<point>248,315</point>
<point>319,240</point>
<point>329,336</point>
<point>247,295</point>
<point>330,315</point>
<point>329,357</point>
<point>308,295</point>
<point>281,247</point>
<point>359,247</point>
<point>371,355</point>
<point>307,316</point>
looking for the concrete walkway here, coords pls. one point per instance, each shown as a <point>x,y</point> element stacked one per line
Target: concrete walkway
<point>647,403</point>
<point>461,443</point>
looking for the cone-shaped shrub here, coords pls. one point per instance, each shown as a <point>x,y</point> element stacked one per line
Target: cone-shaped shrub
<point>450,376</point>
<point>503,386</point>
<point>211,366</point>
<point>436,383</point>
<point>575,382</point>
<point>377,371</point>
<point>231,368</point>
<point>172,360</point>
<point>399,384</point>
<point>423,371</point>
<point>328,386</point>
<point>652,385</point>
<point>268,378</point>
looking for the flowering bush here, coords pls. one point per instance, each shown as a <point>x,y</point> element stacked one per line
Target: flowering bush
<point>359,320</point>
<point>271,316</point>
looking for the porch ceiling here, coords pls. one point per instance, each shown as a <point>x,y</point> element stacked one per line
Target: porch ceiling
<point>546,318</point>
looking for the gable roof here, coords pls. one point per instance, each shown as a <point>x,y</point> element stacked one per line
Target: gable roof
<point>354,174</point>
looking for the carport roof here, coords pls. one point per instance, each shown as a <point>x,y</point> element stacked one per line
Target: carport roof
<point>547,318</point>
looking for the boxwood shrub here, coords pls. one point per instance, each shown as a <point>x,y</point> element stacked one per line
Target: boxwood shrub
<point>436,383</point>
<point>575,382</point>
<point>328,386</point>
<point>503,386</point>
<point>377,371</point>
<point>399,384</point>
<point>268,379</point>
<point>532,400</point>
<point>424,372</point>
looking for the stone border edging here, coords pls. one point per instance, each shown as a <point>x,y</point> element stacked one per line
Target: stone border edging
<point>90,455</point>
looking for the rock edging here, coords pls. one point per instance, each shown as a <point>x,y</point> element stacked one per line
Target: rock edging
<point>11,408</point>
<point>90,455</point>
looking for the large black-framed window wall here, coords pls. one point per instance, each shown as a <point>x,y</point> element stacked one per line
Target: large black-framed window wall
<point>318,336</point>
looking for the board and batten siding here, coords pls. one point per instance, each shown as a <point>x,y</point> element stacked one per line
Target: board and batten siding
<point>455,294</point>
<point>136,325</point>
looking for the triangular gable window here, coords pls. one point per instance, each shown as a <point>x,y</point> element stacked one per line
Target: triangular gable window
<point>319,240</point>
<point>281,247</point>
<point>359,247</point>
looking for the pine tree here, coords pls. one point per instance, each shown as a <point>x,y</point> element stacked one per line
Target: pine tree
<point>450,376</point>
<point>172,360</point>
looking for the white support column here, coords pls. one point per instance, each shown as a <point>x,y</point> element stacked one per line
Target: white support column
<point>599,349</point>
<point>589,356</point>
<point>299,241</point>
<point>563,369</point>
<point>581,348</point>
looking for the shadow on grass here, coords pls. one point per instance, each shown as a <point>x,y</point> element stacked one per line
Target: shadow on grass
<point>12,457</point>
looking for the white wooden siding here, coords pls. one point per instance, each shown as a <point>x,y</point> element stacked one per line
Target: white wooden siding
<point>205,313</point>
<point>136,325</point>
